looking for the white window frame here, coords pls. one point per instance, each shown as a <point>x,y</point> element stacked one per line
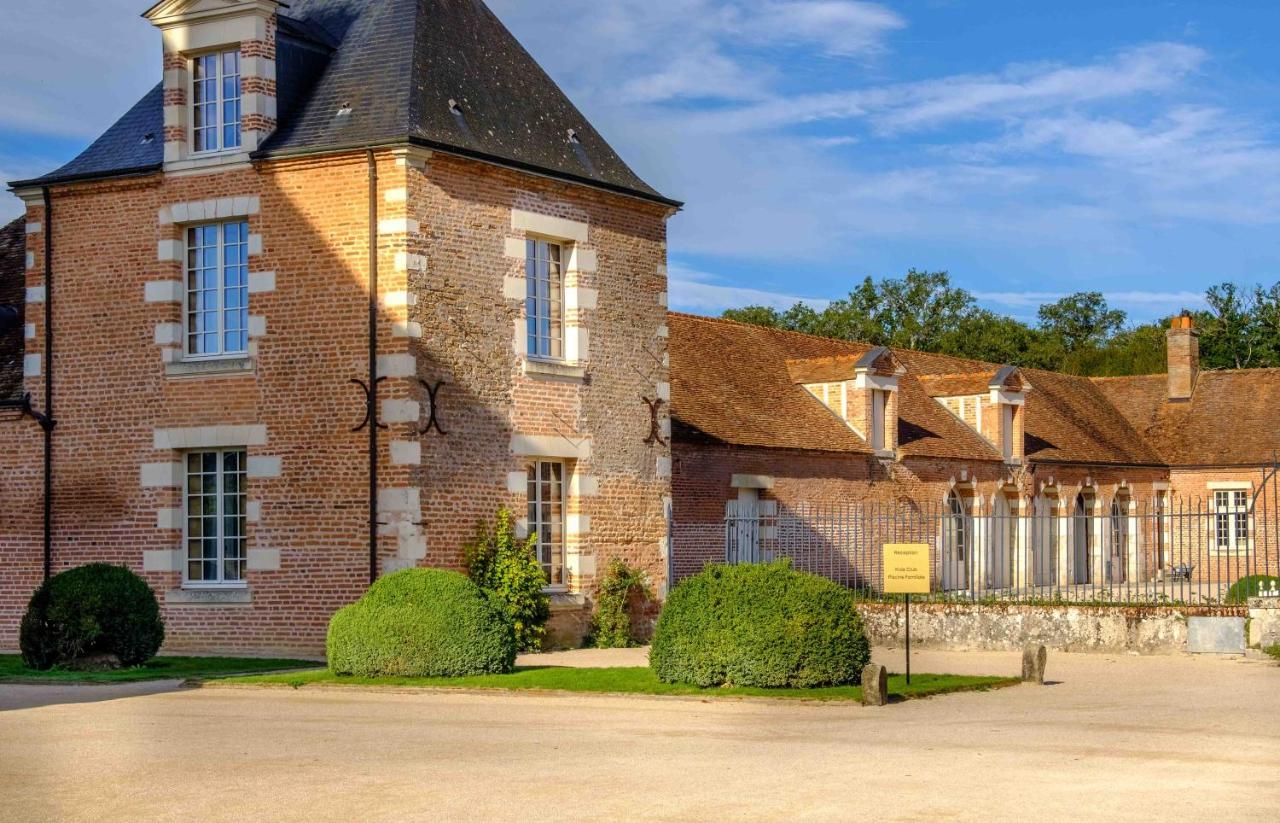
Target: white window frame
<point>221,100</point>
<point>555,298</point>
<point>879,426</point>
<point>220,496</point>
<point>1235,516</point>
<point>546,544</point>
<point>963,403</point>
<point>221,290</point>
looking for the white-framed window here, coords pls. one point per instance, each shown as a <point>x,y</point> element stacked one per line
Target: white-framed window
<point>879,402</point>
<point>217,300</point>
<point>1231,520</point>
<point>547,516</point>
<point>544,303</point>
<point>214,498</point>
<point>968,409</point>
<point>834,396</point>
<point>215,102</point>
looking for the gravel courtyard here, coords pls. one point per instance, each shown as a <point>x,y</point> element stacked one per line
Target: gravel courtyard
<point>1114,737</point>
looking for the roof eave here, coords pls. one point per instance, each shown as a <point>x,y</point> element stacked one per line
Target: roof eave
<point>515,165</point>
<point>55,179</point>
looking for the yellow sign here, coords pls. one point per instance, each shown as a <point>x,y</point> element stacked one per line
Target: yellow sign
<point>906,568</point>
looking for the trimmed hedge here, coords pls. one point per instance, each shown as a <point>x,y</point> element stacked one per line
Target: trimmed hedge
<point>91,611</point>
<point>422,623</point>
<point>1247,587</point>
<point>759,625</point>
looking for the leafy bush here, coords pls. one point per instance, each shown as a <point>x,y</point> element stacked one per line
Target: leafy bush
<point>759,625</point>
<point>421,623</point>
<point>500,564</point>
<point>88,612</point>
<point>1252,586</point>
<point>611,624</point>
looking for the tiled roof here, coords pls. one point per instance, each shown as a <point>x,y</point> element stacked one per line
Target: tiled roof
<point>13,248</point>
<point>733,383</point>
<point>1233,418</point>
<point>397,65</point>
<point>730,384</point>
<point>957,385</point>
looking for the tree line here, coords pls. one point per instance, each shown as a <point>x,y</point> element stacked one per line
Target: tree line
<point>1078,334</point>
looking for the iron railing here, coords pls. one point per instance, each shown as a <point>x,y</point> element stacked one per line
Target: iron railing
<point>1086,550</point>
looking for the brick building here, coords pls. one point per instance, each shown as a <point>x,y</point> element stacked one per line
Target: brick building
<point>1022,479</point>
<point>315,193</point>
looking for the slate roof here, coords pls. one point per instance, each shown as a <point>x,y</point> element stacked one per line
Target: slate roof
<point>396,65</point>
<point>734,383</point>
<point>13,254</point>
<point>1233,418</point>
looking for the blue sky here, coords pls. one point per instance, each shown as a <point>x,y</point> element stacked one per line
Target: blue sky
<point>1030,148</point>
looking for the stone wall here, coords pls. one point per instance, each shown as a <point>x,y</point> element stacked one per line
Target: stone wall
<point>1010,627</point>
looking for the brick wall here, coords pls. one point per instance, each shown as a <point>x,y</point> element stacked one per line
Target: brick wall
<point>119,270</point>
<point>704,477</point>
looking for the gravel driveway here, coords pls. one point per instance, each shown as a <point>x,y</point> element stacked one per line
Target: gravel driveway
<point>1125,738</point>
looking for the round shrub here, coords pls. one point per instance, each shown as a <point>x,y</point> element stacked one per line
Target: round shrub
<point>1251,586</point>
<point>422,623</point>
<point>91,611</point>
<point>759,625</point>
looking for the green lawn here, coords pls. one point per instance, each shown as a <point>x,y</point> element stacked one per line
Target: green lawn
<point>1274,651</point>
<point>160,668</point>
<point>637,680</point>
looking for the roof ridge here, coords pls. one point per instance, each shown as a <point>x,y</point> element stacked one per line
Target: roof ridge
<point>772,329</point>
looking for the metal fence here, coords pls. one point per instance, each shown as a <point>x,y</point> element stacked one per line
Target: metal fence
<point>1085,550</point>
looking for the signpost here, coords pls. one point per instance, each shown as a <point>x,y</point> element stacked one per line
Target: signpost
<point>907,572</point>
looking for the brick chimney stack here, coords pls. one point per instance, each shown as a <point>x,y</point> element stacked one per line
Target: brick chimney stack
<point>1184,357</point>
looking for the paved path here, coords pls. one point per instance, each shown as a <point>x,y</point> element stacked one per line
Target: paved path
<point>1121,738</point>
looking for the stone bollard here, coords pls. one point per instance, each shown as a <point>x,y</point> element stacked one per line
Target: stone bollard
<point>1034,659</point>
<point>875,685</point>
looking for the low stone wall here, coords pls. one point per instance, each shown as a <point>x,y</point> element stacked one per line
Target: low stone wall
<point>1264,622</point>
<point>1010,627</point>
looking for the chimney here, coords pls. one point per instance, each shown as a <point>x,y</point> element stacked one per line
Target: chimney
<point>1184,357</point>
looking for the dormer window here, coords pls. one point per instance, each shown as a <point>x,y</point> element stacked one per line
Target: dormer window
<point>879,403</point>
<point>215,101</point>
<point>862,390</point>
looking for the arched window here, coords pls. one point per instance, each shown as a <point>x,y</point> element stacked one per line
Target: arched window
<point>957,543</point>
<point>1118,557</point>
<point>1044,542</point>
<point>1002,543</point>
<point>1081,542</point>
<point>959,520</point>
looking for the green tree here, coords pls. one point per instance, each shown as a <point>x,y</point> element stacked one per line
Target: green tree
<point>1266,310</point>
<point>1080,320</point>
<point>1229,330</point>
<point>1139,350</point>
<point>995,338</point>
<point>756,316</point>
<point>509,570</point>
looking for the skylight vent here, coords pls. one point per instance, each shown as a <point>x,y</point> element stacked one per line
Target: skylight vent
<point>573,137</point>
<point>455,107</point>
<point>148,138</point>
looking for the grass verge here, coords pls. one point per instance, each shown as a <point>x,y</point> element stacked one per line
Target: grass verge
<point>1274,651</point>
<point>635,680</point>
<point>160,668</point>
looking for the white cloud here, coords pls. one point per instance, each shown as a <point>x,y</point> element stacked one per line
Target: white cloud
<point>840,28</point>
<point>697,291</point>
<point>1018,90</point>
<point>668,50</point>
